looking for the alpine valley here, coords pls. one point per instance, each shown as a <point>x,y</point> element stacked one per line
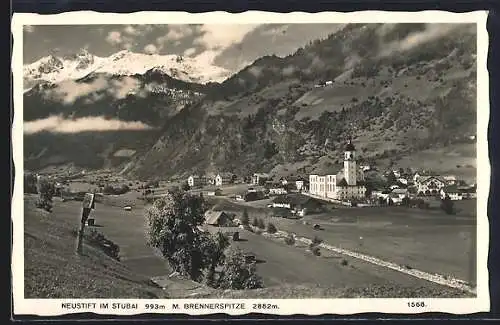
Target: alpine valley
<point>402,92</point>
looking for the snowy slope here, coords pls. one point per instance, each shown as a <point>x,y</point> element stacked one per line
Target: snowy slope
<point>56,69</point>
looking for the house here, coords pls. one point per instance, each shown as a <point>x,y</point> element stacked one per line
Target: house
<point>329,83</point>
<point>277,191</point>
<point>400,192</point>
<point>297,203</point>
<point>260,178</point>
<point>210,177</point>
<point>216,192</point>
<point>365,168</point>
<point>453,192</point>
<point>223,179</point>
<point>196,181</point>
<point>347,184</point>
<point>218,219</point>
<point>393,187</point>
<point>403,181</point>
<point>450,179</point>
<point>375,194</point>
<point>430,185</point>
<point>300,183</point>
<point>468,192</point>
<point>254,196</point>
<point>394,198</point>
<point>396,173</point>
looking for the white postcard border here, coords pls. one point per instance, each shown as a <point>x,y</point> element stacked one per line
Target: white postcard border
<point>52,307</point>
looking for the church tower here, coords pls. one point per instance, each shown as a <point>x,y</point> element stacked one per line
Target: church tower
<point>350,164</point>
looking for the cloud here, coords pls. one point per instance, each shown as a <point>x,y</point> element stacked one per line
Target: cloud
<point>119,89</point>
<point>289,71</point>
<point>190,51</point>
<point>217,38</point>
<point>114,38</point>
<point>29,28</point>
<point>432,32</point>
<point>255,71</point>
<point>69,91</point>
<point>57,124</point>
<point>131,30</point>
<point>175,34</point>
<point>151,49</point>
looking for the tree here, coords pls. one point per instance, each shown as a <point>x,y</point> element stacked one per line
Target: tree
<point>290,240</point>
<point>447,205</point>
<point>314,246</point>
<point>405,202</point>
<point>173,227</point>
<point>185,186</point>
<point>271,228</point>
<point>391,179</point>
<point>46,190</point>
<point>255,222</point>
<point>213,248</point>
<point>238,274</point>
<point>30,185</point>
<point>245,220</point>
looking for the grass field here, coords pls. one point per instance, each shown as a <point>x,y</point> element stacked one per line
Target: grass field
<point>428,240</point>
<point>50,259</point>
<point>52,269</point>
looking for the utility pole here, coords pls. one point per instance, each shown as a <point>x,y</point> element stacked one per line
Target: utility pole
<point>87,206</point>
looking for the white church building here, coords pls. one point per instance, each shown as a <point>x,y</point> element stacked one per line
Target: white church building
<point>345,185</point>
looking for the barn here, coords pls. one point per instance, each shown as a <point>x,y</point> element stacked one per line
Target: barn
<point>218,219</point>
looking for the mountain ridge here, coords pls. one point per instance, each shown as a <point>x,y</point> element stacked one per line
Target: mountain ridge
<point>56,69</point>
<point>395,89</point>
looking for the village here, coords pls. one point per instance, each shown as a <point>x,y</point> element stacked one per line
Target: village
<point>420,224</point>
<point>348,187</point>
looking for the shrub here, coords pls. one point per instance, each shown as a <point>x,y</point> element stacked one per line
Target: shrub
<point>447,205</point>
<point>96,238</point>
<point>153,184</point>
<point>46,191</point>
<point>271,228</point>
<point>316,241</point>
<point>344,262</point>
<point>108,189</point>
<point>261,224</point>
<point>315,250</point>
<point>290,240</point>
<point>237,274</point>
<point>185,186</point>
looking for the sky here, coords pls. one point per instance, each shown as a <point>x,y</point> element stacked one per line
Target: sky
<point>229,46</point>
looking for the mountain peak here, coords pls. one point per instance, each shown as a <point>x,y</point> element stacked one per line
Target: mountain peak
<point>125,62</point>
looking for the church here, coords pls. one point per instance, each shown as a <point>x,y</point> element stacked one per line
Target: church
<point>345,185</point>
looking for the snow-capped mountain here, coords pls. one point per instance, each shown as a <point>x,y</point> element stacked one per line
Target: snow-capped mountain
<point>56,69</point>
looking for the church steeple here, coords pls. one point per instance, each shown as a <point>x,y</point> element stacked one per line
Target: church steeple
<point>350,146</point>
<point>350,163</point>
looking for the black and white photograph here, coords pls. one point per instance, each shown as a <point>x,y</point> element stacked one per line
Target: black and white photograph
<point>244,158</point>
